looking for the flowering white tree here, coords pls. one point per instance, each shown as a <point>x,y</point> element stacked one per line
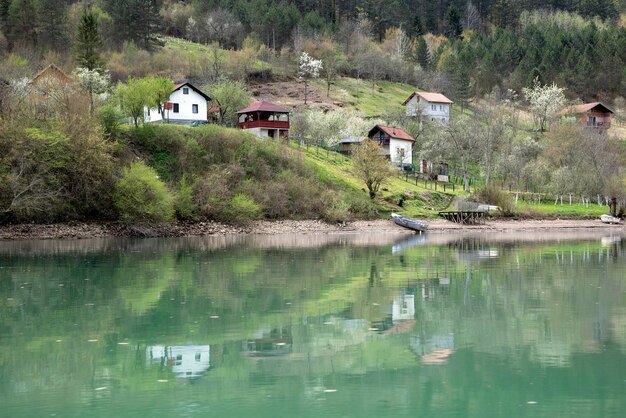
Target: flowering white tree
<point>309,68</point>
<point>545,101</point>
<point>94,82</point>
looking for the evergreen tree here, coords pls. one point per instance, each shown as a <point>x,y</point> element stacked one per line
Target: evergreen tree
<point>88,46</point>
<point>422,55</point>
<point>431,17</point>
<point>137,21</point>
<point>416,29</point>
<point>53,18</point>
<point>455,28</point>
<point>22,22</point>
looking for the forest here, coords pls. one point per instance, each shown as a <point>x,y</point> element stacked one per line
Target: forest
<point>462,47</point>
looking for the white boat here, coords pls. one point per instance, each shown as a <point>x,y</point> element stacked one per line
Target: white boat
<point>608,219</point>
<point>409,223</point>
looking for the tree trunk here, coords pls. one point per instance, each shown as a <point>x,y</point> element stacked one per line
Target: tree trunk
<point>305,90</point>
<point>613,206</point>
<point>465,177</point>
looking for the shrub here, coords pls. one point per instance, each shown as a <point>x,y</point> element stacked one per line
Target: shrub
<point>141,196</point>
<point>496,197</point>
<point>110,118</point>
<point>243,208</point>
<point>185,205</point>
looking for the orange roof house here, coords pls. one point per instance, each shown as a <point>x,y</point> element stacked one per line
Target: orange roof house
<point>434,107</point>
<point>591,115</point>
<point>397,143</point>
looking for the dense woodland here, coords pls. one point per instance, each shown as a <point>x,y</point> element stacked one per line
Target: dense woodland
<point>462,47</point>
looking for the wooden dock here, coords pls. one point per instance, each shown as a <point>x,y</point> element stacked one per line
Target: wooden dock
<point>473,217</point>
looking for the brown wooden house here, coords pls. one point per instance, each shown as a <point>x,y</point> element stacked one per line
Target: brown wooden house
<point>591,115</point>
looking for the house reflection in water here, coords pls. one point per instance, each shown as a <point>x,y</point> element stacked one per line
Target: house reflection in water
<point>276,342</point>
<point>430,287</point>
<point>403,308</point>
<point>186,361</point>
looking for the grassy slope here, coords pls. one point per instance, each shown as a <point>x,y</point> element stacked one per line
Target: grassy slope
<point>422,202</point>
<point>354,94</point>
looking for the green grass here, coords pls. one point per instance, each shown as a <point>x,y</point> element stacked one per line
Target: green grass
<point>358,94</point>
<point>549,209</point>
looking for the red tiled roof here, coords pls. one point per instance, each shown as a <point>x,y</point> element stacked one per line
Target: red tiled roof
<point>263,107</point>
<point>430,97</point>
<point>395,133</point>
<point>585,107</point>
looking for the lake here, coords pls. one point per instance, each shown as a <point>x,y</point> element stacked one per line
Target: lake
<point>354,325</point>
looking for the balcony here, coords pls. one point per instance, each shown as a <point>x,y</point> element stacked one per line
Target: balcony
<point>267,124</point>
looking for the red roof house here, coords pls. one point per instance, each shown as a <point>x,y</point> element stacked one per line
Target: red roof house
<point>398,144</point>
<point>592,115</point>
<point>264,119</point>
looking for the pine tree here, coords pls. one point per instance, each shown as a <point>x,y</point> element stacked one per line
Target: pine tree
<point>53,18</point>
<point>417,29</point>
<point>137,21</point>
<point>422,55</point>
<point>88,46</point>
<point>22,22</point>
<point>455,28</point>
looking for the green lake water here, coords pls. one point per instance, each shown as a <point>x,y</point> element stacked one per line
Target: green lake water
<point>315,326</point>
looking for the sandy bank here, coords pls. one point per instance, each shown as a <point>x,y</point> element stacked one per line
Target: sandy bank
<point>109,230</point>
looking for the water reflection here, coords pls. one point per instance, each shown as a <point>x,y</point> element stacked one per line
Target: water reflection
<point>352,325</point>
<point>187,361</point>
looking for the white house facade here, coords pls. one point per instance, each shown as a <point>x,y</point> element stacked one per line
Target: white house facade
<point>429,106</point>
<point>186,104</point>
<point>396,143</point>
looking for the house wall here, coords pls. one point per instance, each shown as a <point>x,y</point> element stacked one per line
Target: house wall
<point>602,119</point>
<point>397,144</point>
<point>418,105</point>
<point>265,133</point>
<point>185,107</point>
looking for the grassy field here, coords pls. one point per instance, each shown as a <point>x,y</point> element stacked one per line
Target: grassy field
<point>549,209</point>
<point>420,201</point>
<point>359,95</point>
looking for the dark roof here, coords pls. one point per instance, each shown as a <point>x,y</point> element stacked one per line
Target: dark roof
<point>395,133</point>
<point>351,140</point>
<point>263,107</point>
<point>430,97</point>
<point>585,107</point>
<point>191,86</point>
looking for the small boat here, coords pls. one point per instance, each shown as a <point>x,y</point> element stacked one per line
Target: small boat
<point>409,223</point>
<point>608,219</point>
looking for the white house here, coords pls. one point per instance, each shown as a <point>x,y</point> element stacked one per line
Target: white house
<point>397,144</point>
<point>429,106</point>
<point>186,104</point>
<point>186,361</point>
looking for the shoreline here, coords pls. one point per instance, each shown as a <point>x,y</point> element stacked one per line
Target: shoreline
<point>21,232</point>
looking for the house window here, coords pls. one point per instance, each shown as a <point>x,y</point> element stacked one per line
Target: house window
<point>175,107</point>
<point>441,107</point>
<point>433,107</point>
<point>194,108</point>
<point>185,90</point>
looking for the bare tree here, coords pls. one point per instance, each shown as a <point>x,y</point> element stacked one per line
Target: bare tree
<point>472,16</point>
